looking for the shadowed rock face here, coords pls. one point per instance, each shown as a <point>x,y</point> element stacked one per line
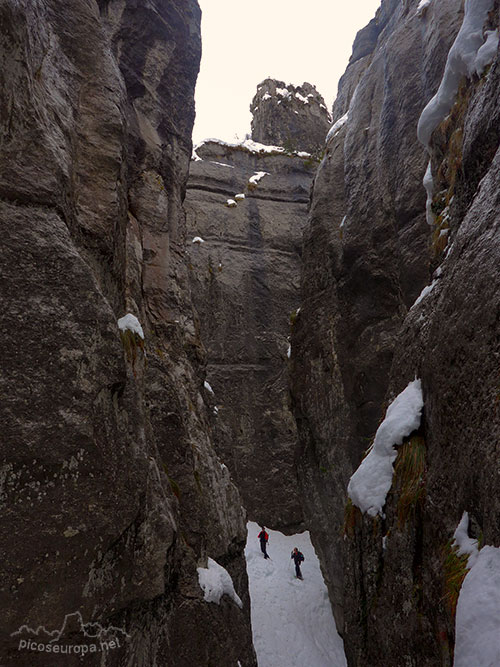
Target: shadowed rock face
<point>111,492</point>
<point>368,253</point>
<point>295,117</point>
<point>245,286</point>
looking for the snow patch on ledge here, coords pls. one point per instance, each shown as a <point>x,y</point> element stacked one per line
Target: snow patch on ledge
<point>461,62</point>
<point>370,484</point>
<point>477,625</point>
<point>487,52</point>
<point>258,176</point>
<point>466,546</point>
<point>422,6</point>
<point>283,92</point>
<point>215,581</point>
<point>301,98</point>
<point>429,188</point>
<point>251,146</point>
<point>220,164</point>
<point>427,290</point>
<point>336,127</point>
<point>130,322</point>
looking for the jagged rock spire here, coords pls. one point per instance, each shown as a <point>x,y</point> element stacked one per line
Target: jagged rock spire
<point>294,117</point>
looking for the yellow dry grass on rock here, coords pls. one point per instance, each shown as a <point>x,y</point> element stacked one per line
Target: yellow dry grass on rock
<point>131,341</point>
<point>409,477</point>
<point>454,569</point>
<point>352,516</point>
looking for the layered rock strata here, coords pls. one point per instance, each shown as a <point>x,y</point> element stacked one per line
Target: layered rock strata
<point>111,492</point>
<point>368,254</point>
<point>246,208</point>
<point>294,117</point>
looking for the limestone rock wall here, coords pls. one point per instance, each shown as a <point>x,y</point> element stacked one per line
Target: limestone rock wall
<point>111,491</point>
<point>245,284</point>
<point>368,253</point>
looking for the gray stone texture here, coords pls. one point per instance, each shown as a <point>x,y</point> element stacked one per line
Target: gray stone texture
<point>245,286</point>
<point>281,116</point>
<point>368,253</point>
<point>111,492</point>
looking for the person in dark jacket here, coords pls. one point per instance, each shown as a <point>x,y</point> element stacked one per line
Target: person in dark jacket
<point>263,537</point>
<point>298,558</point>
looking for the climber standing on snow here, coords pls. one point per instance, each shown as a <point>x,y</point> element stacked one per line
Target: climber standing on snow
<point>298,558</point>
<point>263,537</point>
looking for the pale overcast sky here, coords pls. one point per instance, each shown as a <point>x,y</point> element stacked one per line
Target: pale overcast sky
<point>291,40</point>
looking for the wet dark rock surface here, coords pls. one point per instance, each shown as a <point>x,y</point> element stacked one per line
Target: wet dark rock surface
<point>111,492</point>
<point>368,252</point>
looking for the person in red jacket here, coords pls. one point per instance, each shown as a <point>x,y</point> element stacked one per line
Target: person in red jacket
<point>263,537</point>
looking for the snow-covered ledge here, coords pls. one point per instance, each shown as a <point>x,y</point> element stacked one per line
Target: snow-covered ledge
<point>370,484</point>
<point>477,625</point>
<point>215,581</point>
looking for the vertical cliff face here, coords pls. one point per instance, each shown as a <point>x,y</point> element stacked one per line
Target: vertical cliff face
<point>295,117</point>
<point>111,492</point>
<point>246,208</point>
<point>365,258</point>
<point>368,252</point>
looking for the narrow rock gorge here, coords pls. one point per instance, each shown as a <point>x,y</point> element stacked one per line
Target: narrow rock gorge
<point>246,209</point>
<point>245,276</point>
<point>112,494</point>
<point>300,329</point>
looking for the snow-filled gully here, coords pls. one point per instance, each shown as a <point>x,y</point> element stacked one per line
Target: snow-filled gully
<point>292,621</point>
